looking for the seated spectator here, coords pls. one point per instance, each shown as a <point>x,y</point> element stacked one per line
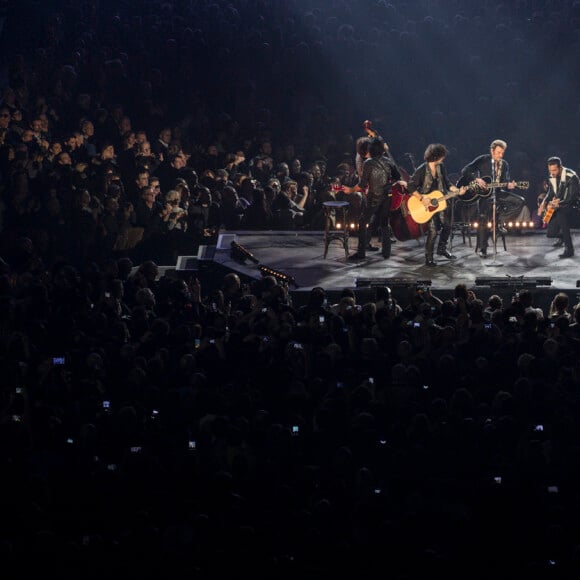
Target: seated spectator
<point>150,214</point>
<point>177,214</point>
<point>232,210</point>
<point>171,169</point>
<point>288,215</point>
<point>258,214</point>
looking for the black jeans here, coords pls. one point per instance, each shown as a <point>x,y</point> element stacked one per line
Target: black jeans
<point>508,207</point>
<point>559,226</point>
<point>441,222</point>
<point>375,213</point>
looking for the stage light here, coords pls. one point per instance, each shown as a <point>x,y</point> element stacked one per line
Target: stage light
<point>239,253</point>
<point>475,225</point>
<point>352,226</point>
<point>510,224</point>
<point>517,224</point>
<point>280,276</point>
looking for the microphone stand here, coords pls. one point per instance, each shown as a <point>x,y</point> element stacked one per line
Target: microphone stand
<point>452,223</point>
<point>494,228</point>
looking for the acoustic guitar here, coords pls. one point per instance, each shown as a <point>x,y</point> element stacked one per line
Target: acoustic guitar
<point>476,191</point>
<point>438,202</point>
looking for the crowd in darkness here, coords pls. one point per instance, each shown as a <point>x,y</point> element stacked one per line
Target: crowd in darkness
<point>157,428</point>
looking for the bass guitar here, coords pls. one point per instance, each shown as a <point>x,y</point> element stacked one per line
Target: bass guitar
<point>476,191</point>
<point>437,203</point>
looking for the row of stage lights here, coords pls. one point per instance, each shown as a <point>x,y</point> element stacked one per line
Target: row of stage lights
<point>241,254</point>
<point>509,225</point>
<point>475,225</point>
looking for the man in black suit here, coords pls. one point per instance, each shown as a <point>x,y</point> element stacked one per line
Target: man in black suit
<point>508,204</point>
<point>563,186</point>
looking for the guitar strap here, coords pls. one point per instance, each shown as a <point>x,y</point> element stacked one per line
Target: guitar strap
<point>428,181</point>
<point>554,182</point>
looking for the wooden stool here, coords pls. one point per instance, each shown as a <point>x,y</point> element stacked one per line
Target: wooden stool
<point>332,210</point>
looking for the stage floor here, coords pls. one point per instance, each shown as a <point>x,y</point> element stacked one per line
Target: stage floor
<point>300,255</point>
<point>530,261</point>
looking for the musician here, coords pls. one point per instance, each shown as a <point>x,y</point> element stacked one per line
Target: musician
<point>378,174</point>
<point>432,176</point>
<point>563,188</point>
<point>508,204</point>
<point>362,153</point>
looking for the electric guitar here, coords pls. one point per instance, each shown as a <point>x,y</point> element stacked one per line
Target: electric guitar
<point>484,192</point>
<point>549,213</point>
<point>438,202</point>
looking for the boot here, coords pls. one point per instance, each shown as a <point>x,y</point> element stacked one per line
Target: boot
<point>358,256</point>
<point>568,253</point>
<point>386,243</point>
<point>442,251</point>
<point>429,248</point>
<point>429,262</point>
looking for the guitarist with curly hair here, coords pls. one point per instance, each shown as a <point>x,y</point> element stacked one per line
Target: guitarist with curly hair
<point>427,202</point>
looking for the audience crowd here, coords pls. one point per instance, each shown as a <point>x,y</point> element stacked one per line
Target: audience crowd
<point>156,428</point>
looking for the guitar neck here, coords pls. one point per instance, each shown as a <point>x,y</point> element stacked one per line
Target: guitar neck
<point>450,195</point>
<point>518,185</point>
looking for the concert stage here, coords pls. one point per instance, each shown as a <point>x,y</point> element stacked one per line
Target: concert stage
<point>529,261</point>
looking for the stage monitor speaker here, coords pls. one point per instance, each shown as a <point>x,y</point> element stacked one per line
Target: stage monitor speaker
<point>513,282</point>
<point>241,254</point>
<point>391,282</point>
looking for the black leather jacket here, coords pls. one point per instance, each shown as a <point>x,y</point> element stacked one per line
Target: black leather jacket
<point>378,175</point>
<point>567,191</point>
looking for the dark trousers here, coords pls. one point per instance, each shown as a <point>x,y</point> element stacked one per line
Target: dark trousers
<point>375,214</point>
<point>440,222</point>
<point>559,226</point>
<point>508,207</point>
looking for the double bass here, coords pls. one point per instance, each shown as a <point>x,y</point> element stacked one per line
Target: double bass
<point>404,227</point>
